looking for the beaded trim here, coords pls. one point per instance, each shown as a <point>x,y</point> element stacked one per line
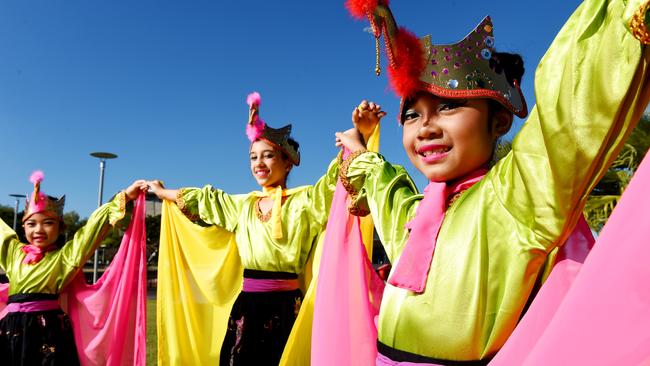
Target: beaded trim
<point>182,205</point>
<point>121,204</point>
<point>356,210</point>
<point>345,181</point>
<point>638,26</point>
<point>263,217</point>
<point>343,172</point>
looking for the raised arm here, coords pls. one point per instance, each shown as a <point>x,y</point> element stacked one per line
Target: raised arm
<point>9,243</point>
<point>387,190</point>
<point>591,88</point>
<point>76,251</point>
<point>211,205</point>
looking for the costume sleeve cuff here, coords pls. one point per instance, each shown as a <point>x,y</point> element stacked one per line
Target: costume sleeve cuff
<point>120,211</point>
<point>182,204</point>
<point>635,15</point>
<point>353,185</point>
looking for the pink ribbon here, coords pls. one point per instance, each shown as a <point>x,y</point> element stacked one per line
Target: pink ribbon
<point>413,266</point>
<point>269,285</point>
<point>34,254</point>
<point>32,306</point>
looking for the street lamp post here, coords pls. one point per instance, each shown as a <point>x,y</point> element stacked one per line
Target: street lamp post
<point>102,156</point>
<point>17,197</point>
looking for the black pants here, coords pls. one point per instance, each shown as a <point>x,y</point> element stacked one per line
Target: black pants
<point>259,326</point>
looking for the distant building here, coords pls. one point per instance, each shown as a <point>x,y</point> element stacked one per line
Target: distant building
<point>153,205</point>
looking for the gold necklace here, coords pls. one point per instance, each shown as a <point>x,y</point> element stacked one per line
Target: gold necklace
<point>264,217</point>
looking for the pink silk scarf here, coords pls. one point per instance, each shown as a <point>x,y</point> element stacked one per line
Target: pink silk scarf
<point>348,295</point>
<point>108,317</point>
<point>412,269</point>
<point>603,316</point>
<point>34,254</point>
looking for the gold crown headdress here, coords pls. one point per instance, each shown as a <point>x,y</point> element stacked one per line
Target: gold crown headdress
<point>465,69</point>
<point>39,202</point>
<point>257,129</point>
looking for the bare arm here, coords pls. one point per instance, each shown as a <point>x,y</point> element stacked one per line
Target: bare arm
<point>163,193</point>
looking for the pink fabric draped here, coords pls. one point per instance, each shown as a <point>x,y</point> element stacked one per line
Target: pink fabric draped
<point>604,318</point>
<point>108,317</point>
<point>348,294</point>
<point>413,267</point>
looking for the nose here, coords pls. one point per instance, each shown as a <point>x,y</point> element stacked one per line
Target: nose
<point>429,128</point>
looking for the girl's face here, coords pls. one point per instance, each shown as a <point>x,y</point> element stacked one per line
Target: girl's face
<point>268,165</point>
<point>41,230</point>
<point>447,138</point>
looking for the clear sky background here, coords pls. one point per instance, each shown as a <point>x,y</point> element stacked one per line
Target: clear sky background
<point>163,84</point>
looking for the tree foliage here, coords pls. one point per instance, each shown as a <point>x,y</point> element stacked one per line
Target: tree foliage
<point>605,196</point>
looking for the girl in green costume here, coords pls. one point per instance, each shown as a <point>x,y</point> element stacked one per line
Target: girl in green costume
<point>469,251</point>
<point>275,230</point>
<point>35,331</point>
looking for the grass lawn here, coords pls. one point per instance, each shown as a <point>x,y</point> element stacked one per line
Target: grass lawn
<point>152,338</point>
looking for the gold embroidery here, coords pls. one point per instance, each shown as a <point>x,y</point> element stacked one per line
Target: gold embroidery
<point>343,172</point>
<point>264,217</point>
<point>180,202</point>
<point>638,26</point>
<point>121,204</point>
<point>353,208</point>
<point>356,210</point>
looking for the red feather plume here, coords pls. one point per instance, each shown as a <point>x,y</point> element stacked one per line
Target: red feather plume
<point>408,63</point>
<point>361,9</point>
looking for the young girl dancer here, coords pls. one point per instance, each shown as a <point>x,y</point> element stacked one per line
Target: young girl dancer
<point>275,232</point>
<point>35,331</point>
<point>469,251</point>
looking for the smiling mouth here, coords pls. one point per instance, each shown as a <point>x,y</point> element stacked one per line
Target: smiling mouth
<point>427,152</point>
<point>261,173</point>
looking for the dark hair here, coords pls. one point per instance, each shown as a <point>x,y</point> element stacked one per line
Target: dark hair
<point>293,143</point>
<point>510,63</point>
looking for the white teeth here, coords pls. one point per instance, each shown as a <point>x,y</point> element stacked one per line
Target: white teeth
<point>436,151</point>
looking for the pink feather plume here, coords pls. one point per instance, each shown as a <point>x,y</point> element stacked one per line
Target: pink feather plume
<point>255,130</point>
<point>253,98</point>
<point>36,177</point>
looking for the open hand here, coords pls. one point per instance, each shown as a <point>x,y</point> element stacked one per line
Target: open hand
<point>366,117</point>
<point>135,188</point>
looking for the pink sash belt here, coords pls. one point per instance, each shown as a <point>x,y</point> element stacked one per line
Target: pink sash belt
<point>269,285</point>
<point>32,306</point>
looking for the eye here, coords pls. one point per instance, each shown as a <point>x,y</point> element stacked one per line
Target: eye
<point>253,157</point>
<point>269,156</point>
<point>448,105</point>
<point>410,115</point>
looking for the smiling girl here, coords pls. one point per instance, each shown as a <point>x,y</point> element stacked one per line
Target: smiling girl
<point>275,231</point>
<point>35,330</point>
<point>468,253</point>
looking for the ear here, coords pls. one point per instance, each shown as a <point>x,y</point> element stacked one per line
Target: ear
<point>501,122</point>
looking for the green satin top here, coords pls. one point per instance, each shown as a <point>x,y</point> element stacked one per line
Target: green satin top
<point>52,273</point>
<point>591,89</point>
<point>304,216</point>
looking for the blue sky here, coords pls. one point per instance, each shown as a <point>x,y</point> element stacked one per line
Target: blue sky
<point>163,84</point>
